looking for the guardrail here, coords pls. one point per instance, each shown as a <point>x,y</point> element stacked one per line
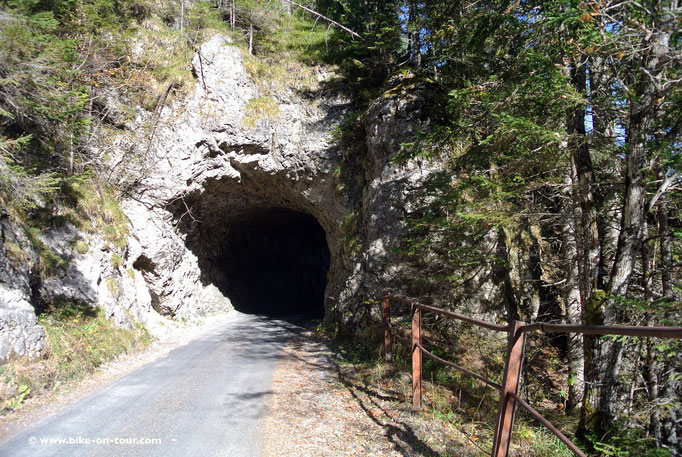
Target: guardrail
<point>516,344</point>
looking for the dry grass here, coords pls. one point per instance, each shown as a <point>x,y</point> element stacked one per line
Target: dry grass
<point>79,340</point>
<point>93,207</point>
<point>260,108</point>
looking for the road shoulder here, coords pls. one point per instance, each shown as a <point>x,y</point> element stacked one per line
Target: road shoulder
<point>40,408</point>
<point>323,406</point>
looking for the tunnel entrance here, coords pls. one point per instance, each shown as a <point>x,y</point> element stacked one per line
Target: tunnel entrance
<point>275,262</point>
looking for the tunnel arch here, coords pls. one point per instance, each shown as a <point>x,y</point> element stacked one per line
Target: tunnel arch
<point>265,244</point>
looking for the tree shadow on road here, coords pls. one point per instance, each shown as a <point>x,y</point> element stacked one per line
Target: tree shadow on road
<point>378,403</point>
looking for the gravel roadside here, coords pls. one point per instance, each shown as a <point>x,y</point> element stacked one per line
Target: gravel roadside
<point>323,406</point>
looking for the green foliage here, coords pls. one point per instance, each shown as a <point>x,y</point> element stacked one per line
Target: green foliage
<point>545,444</point>
<point>626,443</point>
<point>92,206</point>
<point>285,46</point>
<point>116,260</point>
<point>55,59</point>
<point>350,137</point>
<point>80,339</point>
<point>81,246</point>
<point>14,252</point>
<point>293,37</point>
<point>350,240</point>
<point>366,63</point>
<point>179,34</point>
<point>38,85</point>
<point>62,310</point>
<point>18,401</point>
<point>501,136</point>
<point>49,261</point>
<point>22,190</point>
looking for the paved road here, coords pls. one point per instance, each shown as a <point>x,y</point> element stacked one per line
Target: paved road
<point>204,399</point>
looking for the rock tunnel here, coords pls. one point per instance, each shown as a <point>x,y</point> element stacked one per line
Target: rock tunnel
<point>259,245</point>
<point>275,262</point>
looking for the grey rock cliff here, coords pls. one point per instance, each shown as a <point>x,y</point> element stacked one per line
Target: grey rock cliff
<point>204,171</point>
<point>20,333</point>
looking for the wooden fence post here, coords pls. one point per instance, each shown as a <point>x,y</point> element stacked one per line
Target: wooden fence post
<point>388,346</point>
<point>416,357</point>
<point>510,384</point>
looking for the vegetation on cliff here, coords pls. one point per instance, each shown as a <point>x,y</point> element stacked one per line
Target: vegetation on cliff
<point>559,124</point>
<point>79,339</point>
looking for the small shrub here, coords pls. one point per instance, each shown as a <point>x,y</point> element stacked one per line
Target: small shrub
<point>140,11</point>
<point>81,246</point>
<point>18,401</point>
<point>116,260</point>
<point>260,108</point>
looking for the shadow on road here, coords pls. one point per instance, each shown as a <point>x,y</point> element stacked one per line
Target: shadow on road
<point>368,398</point>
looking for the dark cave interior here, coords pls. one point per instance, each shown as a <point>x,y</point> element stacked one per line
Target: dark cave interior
<point>275,262</point>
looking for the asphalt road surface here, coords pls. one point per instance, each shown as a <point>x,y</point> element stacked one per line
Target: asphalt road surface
<point>204,399</point>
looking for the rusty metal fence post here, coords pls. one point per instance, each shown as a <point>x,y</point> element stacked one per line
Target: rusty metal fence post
<point>388,345</point>
<point>416,357</point>
<point>510,385</point>
<point>509,397</point>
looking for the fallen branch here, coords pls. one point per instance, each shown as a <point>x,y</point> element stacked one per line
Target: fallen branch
<point>321,16</point>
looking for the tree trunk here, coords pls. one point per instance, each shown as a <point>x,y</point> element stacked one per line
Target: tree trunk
<point>415,40</point>
<point>584,206</point>
<point>664,427</point>
<point>600,406</point>
<point>501,270</point>
<point>652,384</point>
<point>652,365</point>
<point>601,98</point>
<point>609,230</point>
<point>670,423</point>
<point>603,138</point>
<point>666,260</point>
<point>573,306</point>
<point>586,226</point>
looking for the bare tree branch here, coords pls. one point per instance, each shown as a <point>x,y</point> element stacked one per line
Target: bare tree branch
<point>332,21</point>
<point>669,181</point>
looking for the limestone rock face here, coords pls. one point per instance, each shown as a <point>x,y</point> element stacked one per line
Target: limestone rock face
<point>212,170</point>
<point>20,333</point>
<point>210,166</point>
<point>102,276</point>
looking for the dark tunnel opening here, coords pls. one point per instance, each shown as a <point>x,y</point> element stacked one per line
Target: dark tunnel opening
<point>276,263</point>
